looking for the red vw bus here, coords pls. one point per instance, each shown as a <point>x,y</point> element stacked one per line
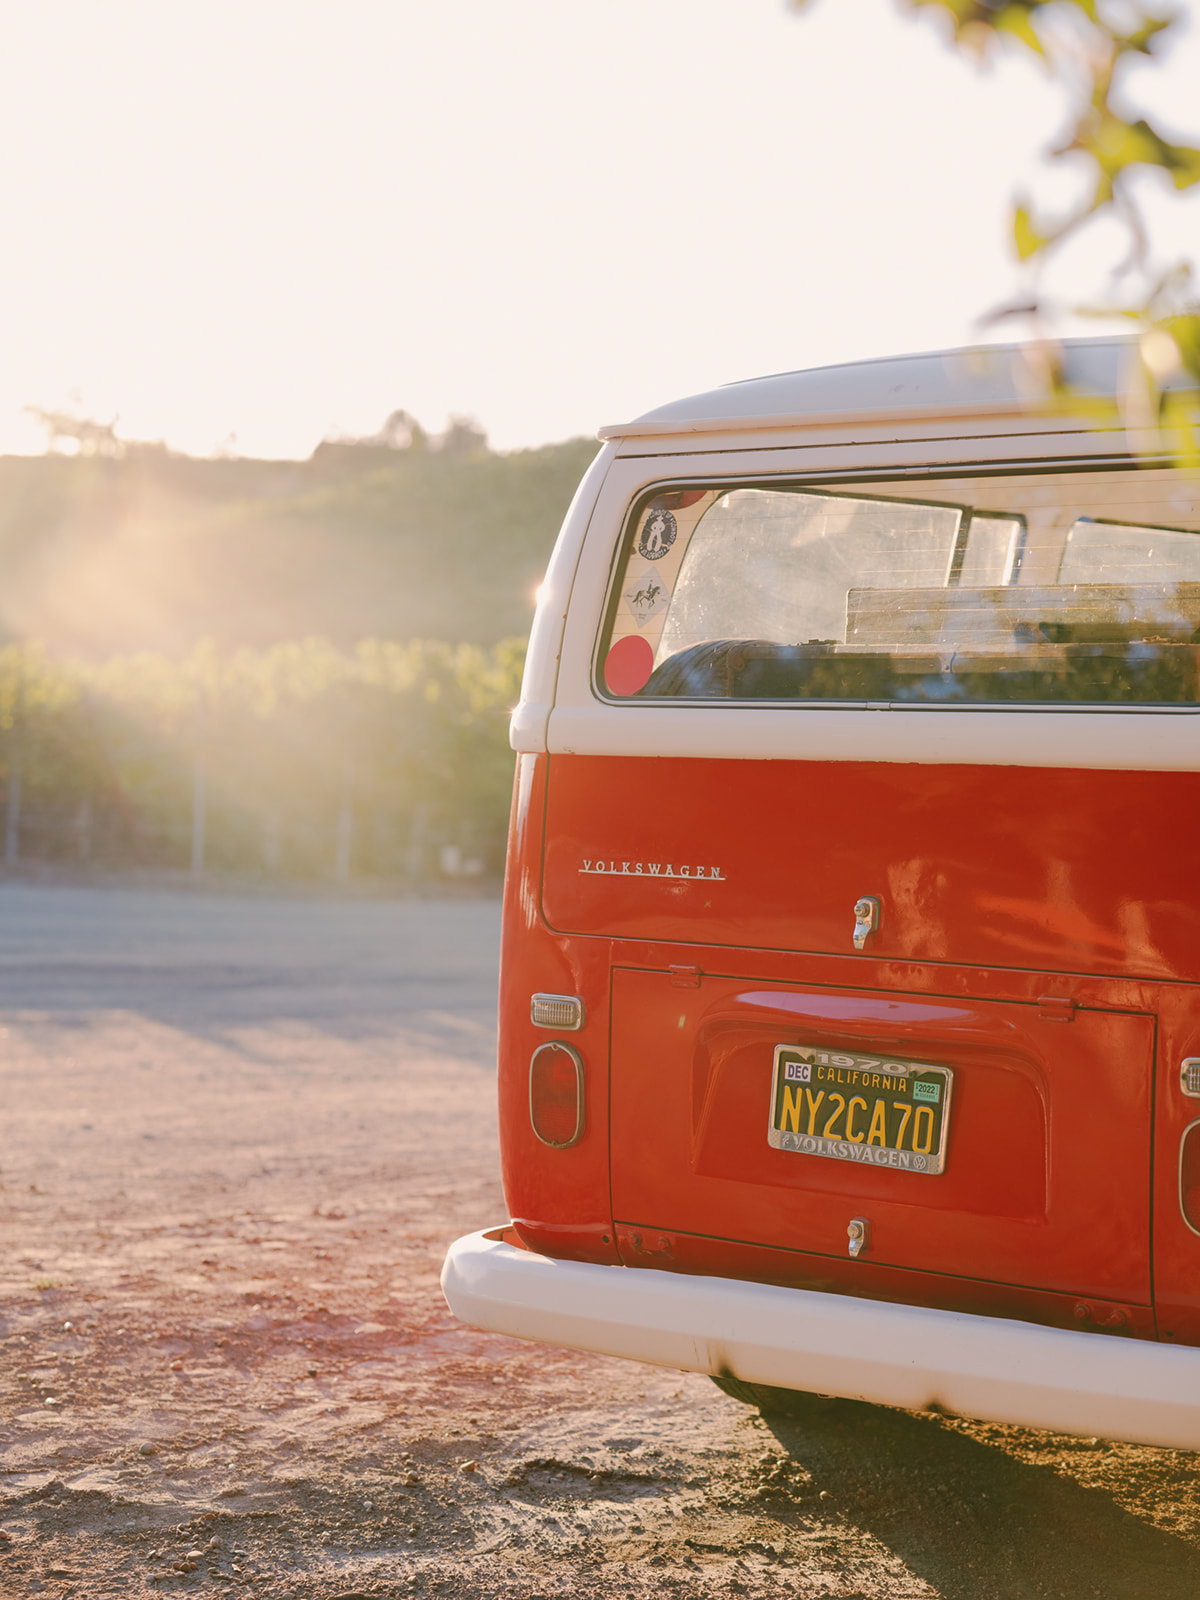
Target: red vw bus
<point>850,985</point>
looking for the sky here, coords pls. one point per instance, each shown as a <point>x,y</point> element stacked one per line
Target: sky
<point>247,225</point>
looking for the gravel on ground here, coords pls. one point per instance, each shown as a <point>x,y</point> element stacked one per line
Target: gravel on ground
<point>238,1133</point>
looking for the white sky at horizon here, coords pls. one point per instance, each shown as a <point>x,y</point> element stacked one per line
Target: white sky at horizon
<point>278,221</point>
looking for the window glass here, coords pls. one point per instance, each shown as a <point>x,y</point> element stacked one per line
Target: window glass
<point>1046,588</point>
<point>1114,552</point>
<point>764,564</point>
<point>991,552</point>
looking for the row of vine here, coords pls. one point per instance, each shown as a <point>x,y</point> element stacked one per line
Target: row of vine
<point>388,759</point>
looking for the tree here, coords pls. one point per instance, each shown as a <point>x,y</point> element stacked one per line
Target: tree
<point>87,436</point>
<point>1086,45</point>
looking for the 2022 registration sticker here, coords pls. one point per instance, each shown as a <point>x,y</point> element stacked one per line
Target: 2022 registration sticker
<point>851,1107</point>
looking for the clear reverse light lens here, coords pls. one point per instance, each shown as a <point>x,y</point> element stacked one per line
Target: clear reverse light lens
<point>1189,1077</point>
<point>562,1012</point>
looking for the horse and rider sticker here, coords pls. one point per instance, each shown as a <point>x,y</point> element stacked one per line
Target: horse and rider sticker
<point>646,595</point>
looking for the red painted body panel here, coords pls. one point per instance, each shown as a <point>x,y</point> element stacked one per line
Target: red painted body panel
<point>1048,1177</point>
<point>558,1199</point>
<point>796,1269</point>
<point>1176,1247</point>
<point>999,887</point>
<point>1046,869</point>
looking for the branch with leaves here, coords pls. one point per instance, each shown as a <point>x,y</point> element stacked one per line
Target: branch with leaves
<point>1086,46</point>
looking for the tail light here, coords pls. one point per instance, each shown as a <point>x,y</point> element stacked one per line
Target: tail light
<point>556,1095</point>
<point>1189,1176</point>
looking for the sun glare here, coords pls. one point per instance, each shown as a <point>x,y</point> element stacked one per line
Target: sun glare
<point>217,229</point>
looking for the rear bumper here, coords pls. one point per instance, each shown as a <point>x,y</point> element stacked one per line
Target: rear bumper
<point>986,1367</point>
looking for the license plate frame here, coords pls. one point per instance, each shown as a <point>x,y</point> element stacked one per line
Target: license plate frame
<point>806,1080</point>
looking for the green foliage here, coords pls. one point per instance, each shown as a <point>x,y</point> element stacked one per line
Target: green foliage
<point>407,739</point>
<point>230,628</point>
<point>1085,45</point>
<point>1086,53</point>
<point>104,556</point>
<point>1025,235</point>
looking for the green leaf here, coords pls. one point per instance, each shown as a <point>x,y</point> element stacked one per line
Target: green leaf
<point>1115,144</point>
<point>1027,238</point>
<point>1183,165</point>
<point>1142,38</point>
<point>1185,330</point>
<point>1179,419</point>
<point>1014,20</point>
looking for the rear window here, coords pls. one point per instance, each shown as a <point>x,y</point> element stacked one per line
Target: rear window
<point>1042,589</point>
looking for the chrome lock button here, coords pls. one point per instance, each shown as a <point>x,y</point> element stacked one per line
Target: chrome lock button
<point>866,919</point>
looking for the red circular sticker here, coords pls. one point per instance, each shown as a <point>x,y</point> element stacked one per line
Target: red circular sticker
<point>628,665</point>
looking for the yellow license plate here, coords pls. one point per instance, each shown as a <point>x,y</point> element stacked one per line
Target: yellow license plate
<point>873,1110</point>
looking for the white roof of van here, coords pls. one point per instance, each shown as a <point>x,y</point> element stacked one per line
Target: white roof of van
<point>982,378</point>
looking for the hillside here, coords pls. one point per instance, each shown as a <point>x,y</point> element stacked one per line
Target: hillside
<point>154,551</point>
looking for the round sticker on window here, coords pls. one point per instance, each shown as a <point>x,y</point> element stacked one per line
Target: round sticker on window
<point>657,535</point>
<point>628,665</point>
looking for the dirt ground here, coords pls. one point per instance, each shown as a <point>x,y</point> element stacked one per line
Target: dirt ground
<point>237,1135</point>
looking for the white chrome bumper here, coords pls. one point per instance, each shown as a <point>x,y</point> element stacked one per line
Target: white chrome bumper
<point>984,1367</point>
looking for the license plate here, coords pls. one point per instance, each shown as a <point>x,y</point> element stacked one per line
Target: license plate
<point>876,1111</point>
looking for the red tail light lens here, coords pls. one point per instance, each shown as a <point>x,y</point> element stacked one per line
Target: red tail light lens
<point>556,1095</point>
<point>1189,1176</point>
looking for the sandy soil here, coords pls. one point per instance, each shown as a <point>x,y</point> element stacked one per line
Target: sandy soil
<point>237,1135</point>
